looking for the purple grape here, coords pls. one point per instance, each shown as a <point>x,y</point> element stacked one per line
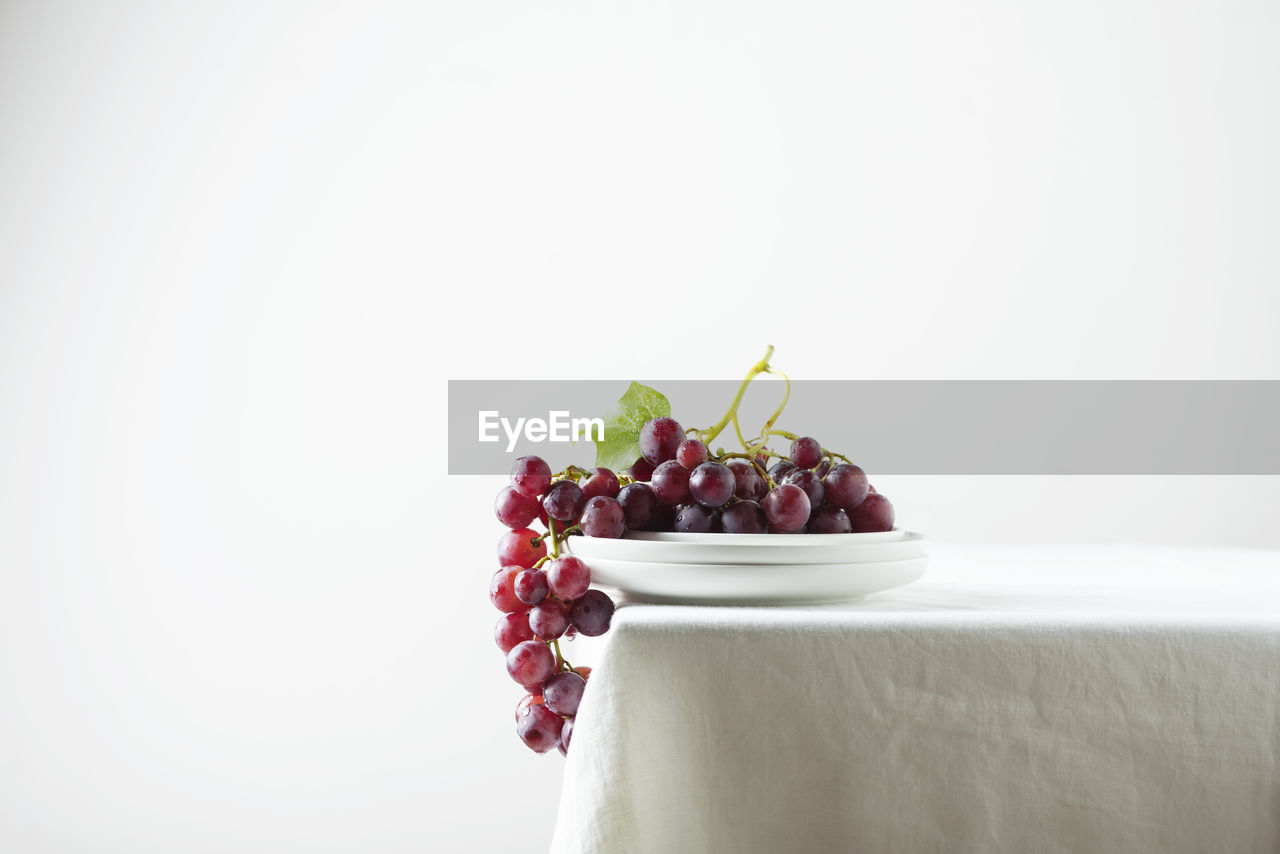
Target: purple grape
<point>749,485</point>
<point>823,468</point>
<point>563,692</point>
<point>638,503</point>
<point>846,486</point>
<point>530,663</point>
<point>531,586</point>
<point>806,452</point>
<point>829,519</point>
<point>692,453</point>
<point>539,727</point>
<point>513,508</point>
<point>641,470</point>
<point>786,507</point>
<point>563,502</point>
<point>549,619</point>
<point>603,482</point>
<point>809,482</point>
<point>511,630</point>
<point>568,577</point>
<point>531,475</point>
<point>875,513</point>
<point>659,440</point>
<point>743,517</point>
<point>592,612</point>
<point>711,484</point>
<point>695,519</point>
<point>781,469</point>
<point>603,517</point>
<point>671,483</point>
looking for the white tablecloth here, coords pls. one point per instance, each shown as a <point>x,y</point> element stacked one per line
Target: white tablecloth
<point>1015,699</point>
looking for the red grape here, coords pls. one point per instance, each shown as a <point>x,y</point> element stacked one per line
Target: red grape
<point>786,507</point>
<point>638,503</point>
<point>875,513</point>
<point>531,586</point>
<point>696,519</point>
<point>592,612</point>
<point>659,440</point>
<point>748,484</point>
<point>604,517</point>
<point>517,548</point>
<point>526,701</point>
<point>641,470</point>
<point>603,482</point>
<point>502,590</point>
<point>530,663</point>
<point>513,508</point>
<point>671,483</point>
<point>806,452</point>
<point>743,517</point>
<point>781,469</point>
<point>846,486</point>
<point>563,501</point>
<point>531,475</point>
<point>810,483</point>
<point>549,619</point>
<point>829,519</point>
<point>511,630</point>
<point>566,734</point>
<point>563,692</point>
<point>711,484</point>
<point>692,453</point>
<point>539,728</point>
<point>568,576</point>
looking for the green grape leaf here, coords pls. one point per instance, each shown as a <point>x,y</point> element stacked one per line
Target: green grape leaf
<point>620,445</point>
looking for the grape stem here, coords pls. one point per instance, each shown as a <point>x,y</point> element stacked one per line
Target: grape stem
<point>555,540</point>
<point>562,663</point>
<point>761,367</point>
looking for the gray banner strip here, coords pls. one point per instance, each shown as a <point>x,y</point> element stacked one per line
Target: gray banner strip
<point>921,426</point>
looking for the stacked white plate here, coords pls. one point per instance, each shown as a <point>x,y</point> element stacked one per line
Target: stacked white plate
<point>759,569</point>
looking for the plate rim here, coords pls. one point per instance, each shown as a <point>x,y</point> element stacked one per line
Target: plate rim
<point>787,540</point>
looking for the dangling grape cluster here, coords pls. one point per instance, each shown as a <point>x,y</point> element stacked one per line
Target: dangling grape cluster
<point>677,484</point>
<point>545,597</point>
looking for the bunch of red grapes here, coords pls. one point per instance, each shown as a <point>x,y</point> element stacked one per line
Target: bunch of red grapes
<point>678,486</point>
<point>544,597</point>
<point>675,485</point>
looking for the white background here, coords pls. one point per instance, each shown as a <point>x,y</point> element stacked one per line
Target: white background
<point>243,248</point>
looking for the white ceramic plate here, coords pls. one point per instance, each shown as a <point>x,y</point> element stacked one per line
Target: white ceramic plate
<point>737,549</point>
<point>753,584</point>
